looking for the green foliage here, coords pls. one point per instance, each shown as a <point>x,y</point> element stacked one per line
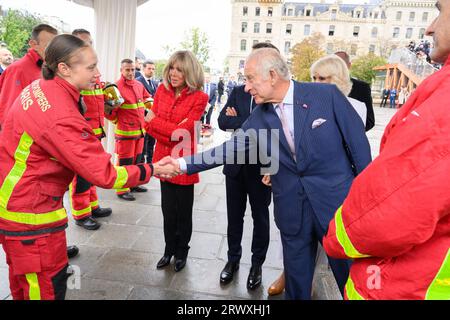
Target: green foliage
<point>159,68</point>
<point>304,54</point>
<point>197,42</point>
<point>15,30</point>
<point>362,67</point>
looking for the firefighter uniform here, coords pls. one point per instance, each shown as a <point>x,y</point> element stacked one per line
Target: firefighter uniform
<point>16,77</point>
<point>83,195</point>
<point>395,223</point>
<point>44,141</point>
<point>130,121</point>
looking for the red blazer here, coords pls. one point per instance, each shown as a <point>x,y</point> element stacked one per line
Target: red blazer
<point>176,113</point>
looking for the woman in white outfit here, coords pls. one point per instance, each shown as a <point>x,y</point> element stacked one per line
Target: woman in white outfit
<point>332,69</point>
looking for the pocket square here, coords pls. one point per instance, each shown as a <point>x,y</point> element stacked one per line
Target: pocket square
<point>317,123</point>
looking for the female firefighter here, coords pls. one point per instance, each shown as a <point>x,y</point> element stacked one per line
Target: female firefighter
<point>46,140</point>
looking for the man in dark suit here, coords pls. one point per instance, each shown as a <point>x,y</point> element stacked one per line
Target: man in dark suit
<point>361,91</point>
<point>151,86</point>
<point>6,59</point>
<point>242,181</point>
<point>322,146</point>
<point>211,90</point>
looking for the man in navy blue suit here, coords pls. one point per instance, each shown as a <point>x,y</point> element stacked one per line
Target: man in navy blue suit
<point>322,146</point>
<point>210,89</point>
<point>150,85</point>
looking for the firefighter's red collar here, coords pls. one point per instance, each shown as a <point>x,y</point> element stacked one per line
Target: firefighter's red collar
<point>447,63</point>
<point>34,55</point>
<point>128,82</point>
<point>69,88</point>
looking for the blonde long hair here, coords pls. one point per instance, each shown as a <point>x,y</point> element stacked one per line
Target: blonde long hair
<point>190,67</point>
<point>334,67</point>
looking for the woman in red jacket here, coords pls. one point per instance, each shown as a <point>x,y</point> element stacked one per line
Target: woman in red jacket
<point>178,105</point>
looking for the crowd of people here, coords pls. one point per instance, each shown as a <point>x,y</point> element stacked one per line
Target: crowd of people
<point>314,161</point>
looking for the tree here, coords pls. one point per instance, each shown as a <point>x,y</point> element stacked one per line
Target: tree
<point>197,42</point>
<point>15,30</point>
<point>304,54</point>
<point>362,67</point>
<point>159,68</point>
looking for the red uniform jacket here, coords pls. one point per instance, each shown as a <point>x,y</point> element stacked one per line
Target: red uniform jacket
<point>176,114</point>
<point>14,79</point>
<point>95,112</point>
<point>44,141</point>
<point>129,117</point>
<point>395,222</point>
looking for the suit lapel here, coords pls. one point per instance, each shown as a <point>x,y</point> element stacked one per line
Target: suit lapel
<point>302,106</point>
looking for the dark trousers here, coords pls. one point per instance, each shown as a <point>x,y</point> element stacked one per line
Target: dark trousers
<point>149,147</point>
<point>248,183</point>
<point>383,102</point>
<point>299,255</point>
<point>208,115</point>
<point>177,204</point>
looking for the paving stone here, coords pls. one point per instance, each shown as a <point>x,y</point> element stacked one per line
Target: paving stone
<point>203,276</point>
<point>156,293</point>
<point>88,258</point>
<point>93,289</point>
<point>116,236</point>
<point>4,283</point>
<point>133,267</point>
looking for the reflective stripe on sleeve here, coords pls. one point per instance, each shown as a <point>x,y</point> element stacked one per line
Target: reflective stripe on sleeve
<point>122,178</point>
<point>344,240</point>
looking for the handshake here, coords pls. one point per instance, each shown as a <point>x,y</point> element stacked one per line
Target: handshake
<point>167,168</point>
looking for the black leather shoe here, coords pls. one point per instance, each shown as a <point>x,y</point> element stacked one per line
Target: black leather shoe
<point>127,197</point>
<point>179,265</point>
<point>227,274</point>
<point>88,223</point>
<point>101,212</point>
<point>254,278</point>
<point>164,262</point>
<point>139,189</point>
<point>72,251</point>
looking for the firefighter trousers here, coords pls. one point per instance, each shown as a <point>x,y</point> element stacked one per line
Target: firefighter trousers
<point>129,152</point>
<point>83,198</point>
<point>37,266</point>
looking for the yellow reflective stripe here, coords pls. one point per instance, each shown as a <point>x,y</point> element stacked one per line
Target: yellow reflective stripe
<point>343,238</point>
<point>98,131</point>
<point>16,173</point>
<point>78,213</point>
<point>33,219</point>
<point>129,133</point>
<point>122,178</point>
<point>35,290</point>
<point>352,294</point>
<point>133,106</point>
<point>97,92</point>
<point>440,287</point>
<point>94,204</point>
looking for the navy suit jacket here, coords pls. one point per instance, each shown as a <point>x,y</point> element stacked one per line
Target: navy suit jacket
<point>323,172</point>
<point>212,93</point>
<point>149,89</point>
<point>243,103</point>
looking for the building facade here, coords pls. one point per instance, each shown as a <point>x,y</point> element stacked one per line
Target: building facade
<point>375,27</point>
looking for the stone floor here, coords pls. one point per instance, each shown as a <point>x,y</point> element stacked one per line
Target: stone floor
<point>119,260</point>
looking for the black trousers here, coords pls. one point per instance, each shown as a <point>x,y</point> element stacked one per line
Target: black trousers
<point>248,183</point>
<point>177,204</point>
<point>383,102</point>
<point>149,147</point>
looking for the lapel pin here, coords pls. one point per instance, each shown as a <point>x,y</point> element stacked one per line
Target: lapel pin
<point>305,106</point>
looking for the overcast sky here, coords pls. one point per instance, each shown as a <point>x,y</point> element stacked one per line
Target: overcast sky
<point>159,22</point>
